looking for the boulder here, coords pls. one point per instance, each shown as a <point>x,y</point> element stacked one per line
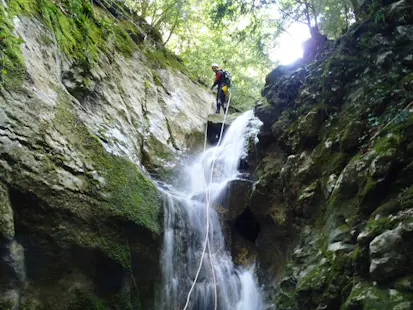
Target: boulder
<point>234,198</point>
<point>400,13</point>
<point>215,124</point>
<point>387,259</point>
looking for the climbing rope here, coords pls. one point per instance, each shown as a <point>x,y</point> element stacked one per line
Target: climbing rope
<point>207,205</point>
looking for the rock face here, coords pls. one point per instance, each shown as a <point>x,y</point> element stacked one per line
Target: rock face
<point>333,168</point>
<point>80,222</point>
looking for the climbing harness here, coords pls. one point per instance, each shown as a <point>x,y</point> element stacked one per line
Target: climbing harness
<point>207,205</point>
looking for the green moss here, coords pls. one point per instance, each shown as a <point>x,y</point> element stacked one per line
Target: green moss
<point>368,188</point>
<point>128,192</point>
<point>84,301</point>
<point>12,65</point>
<point>286,301</point>
<point>118,251</point>
<point>378,226</point>
<point>365,295</point>
<point>131,193</point>
<point>314,279</point>
<point>83,32</point>
<point>337,64</point>
<point>88,301</point>
<point>328,161</point>
<point>388,208</point>
<point>387,142</point>
<point>162,58</point>
<point>157,80</point>
<point>324,283</point>
<point>405,198</point>
<point>408,78</point>
<point>6,305</point>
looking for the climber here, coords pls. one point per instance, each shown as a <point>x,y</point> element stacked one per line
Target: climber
<point>223,80</point>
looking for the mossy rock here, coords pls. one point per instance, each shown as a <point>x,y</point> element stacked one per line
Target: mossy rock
<point>12,67</point>
<point>286,301</point>
<point>88,301</point>
<point>128,192</point>
<point>366,296</point>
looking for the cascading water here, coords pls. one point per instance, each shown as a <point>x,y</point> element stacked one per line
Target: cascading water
<point>185,231</point>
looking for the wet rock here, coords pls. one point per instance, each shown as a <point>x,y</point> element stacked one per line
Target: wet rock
<point>386,253</point>
<point>330,185</point>
<point>6,216</point>
<point>215,123</point>
<point>267,115</point>
<point>288,284</point>
<point>351,155</point>
<point>307,199</point>
<point>399,13</point>
<point>244,252</point>
<point>340,247</point>
<point>382,164</point>
<point>308,129</point>
<point>235,198</point>
<point>126,110</point>
<point>404,33</point>
<point>405,283</point>
<point>340,234</point>
<point>364,295</point>
<point>262,204</point>
<point>13,264</point>
<point>283,84</point>
<point>348,183</point>
<point>350,137</point>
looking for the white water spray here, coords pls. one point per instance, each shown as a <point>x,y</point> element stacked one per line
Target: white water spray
<point>185,231</point>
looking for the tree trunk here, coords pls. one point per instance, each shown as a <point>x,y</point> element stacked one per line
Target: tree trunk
<point>356,9</point>
<point>172,30</point>
<point>315,13</point>
<point>307,14</point>
<point>346,11</point>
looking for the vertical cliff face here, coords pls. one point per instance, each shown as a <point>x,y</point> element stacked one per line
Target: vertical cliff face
<point>334,167</point>
<point>88,101</point>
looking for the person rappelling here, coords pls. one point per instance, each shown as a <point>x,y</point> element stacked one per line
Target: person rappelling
<point>223,81</point>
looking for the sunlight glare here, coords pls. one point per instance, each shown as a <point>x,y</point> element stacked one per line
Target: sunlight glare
<point>289,47</point>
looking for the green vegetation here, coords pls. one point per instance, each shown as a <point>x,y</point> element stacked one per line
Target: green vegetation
<point>87,301</point>
<point>129,192</point>
<point>12,66</point>
<point>82,31</point>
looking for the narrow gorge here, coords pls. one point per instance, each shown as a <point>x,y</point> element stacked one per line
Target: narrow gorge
<point>119,186</point>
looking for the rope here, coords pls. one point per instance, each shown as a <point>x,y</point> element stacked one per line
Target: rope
<point>207,204</point>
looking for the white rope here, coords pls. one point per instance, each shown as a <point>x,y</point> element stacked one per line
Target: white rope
<point>207,204</point>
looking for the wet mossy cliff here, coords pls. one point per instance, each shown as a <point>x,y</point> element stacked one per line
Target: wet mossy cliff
<point>89,98</point>
<point>334,170</point>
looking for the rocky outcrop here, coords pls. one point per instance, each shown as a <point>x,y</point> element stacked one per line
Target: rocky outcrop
<point>216,123</point>
<point>86,107</point>
<point>333,172</point>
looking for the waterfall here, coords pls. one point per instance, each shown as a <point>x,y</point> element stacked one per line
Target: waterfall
<point>185,231</point>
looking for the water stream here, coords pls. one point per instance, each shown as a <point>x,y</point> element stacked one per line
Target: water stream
<point>185,231</point>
